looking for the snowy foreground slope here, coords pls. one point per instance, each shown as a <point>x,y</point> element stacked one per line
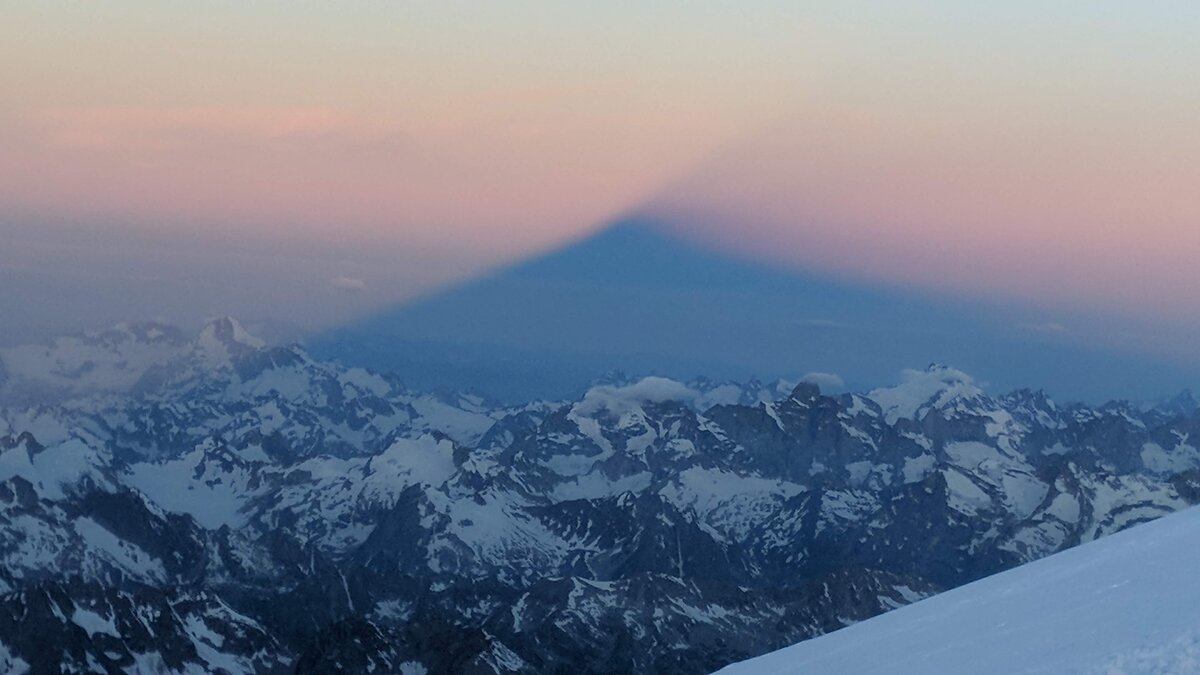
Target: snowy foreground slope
<point>1125,604</point>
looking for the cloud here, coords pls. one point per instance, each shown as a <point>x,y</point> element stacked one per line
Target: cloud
<point>921,390</point>
<point>348,284</point>
<point>1047,328</point>
<point>826,381</point>
<point>619,400</point>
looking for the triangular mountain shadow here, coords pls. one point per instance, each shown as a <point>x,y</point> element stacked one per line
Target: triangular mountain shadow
<point>638,299</point>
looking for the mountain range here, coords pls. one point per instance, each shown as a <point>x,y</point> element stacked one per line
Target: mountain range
<point>218,504</point>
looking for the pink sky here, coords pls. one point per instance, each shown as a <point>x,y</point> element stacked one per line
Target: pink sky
<point>497,130</point>
<point>1041,153</point>
<point>1094,207</point>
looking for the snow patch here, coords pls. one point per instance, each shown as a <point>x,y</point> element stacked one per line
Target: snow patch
<point>93,622</point>
<point>916,469</point>
<point>123,554</point>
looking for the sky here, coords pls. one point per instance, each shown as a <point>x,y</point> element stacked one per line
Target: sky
<point>306,163</point>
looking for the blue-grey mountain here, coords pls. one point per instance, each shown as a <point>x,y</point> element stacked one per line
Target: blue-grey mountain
<point>216,504</point>
<point>637,298</point>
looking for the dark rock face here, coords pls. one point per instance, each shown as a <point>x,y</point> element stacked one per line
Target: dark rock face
<point>79,626</point>
<point>261,511</point>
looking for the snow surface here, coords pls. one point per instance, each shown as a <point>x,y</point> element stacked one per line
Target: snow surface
<point>125,555</point>
<point>1125,605</point>
<point>65,464</point>
<point>936,388</point>
<point>182,485</point>
<point>464,426</point>
<point>79,363</point>
<point>94,623</point>
<point>1166,462</point>
<point>11,663</point>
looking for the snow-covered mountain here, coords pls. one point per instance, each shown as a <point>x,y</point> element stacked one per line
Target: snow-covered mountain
<point>225,504</point>
<point>1126,604</point>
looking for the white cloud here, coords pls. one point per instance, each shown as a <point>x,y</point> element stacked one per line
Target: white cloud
<point>350,284</point>
<point>826,381</point>
<point>619,400</point>
<point>921,390</point>
<point>1047,328</point>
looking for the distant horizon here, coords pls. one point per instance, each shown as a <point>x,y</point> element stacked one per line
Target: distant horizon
<point>576,374</point>
<point>918,377</point>
<point>345,161</point>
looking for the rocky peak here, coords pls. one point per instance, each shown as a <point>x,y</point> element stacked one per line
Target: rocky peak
<point>1182,404</point>
<point>228,331</point>
<point>937,388</point>
<point>805,393</point>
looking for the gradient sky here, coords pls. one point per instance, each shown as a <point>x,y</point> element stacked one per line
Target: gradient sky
<point>483,124</point>
<point>308,162</point>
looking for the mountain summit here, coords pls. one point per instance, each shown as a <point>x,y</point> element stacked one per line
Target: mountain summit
<point>641,298</point>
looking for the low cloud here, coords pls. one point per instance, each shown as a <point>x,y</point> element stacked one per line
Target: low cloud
<point>620,400</point>
<point>826,381</point>
<point>348,284</point>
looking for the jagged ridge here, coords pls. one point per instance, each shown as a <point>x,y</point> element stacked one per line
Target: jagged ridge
<point>331,518</point>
